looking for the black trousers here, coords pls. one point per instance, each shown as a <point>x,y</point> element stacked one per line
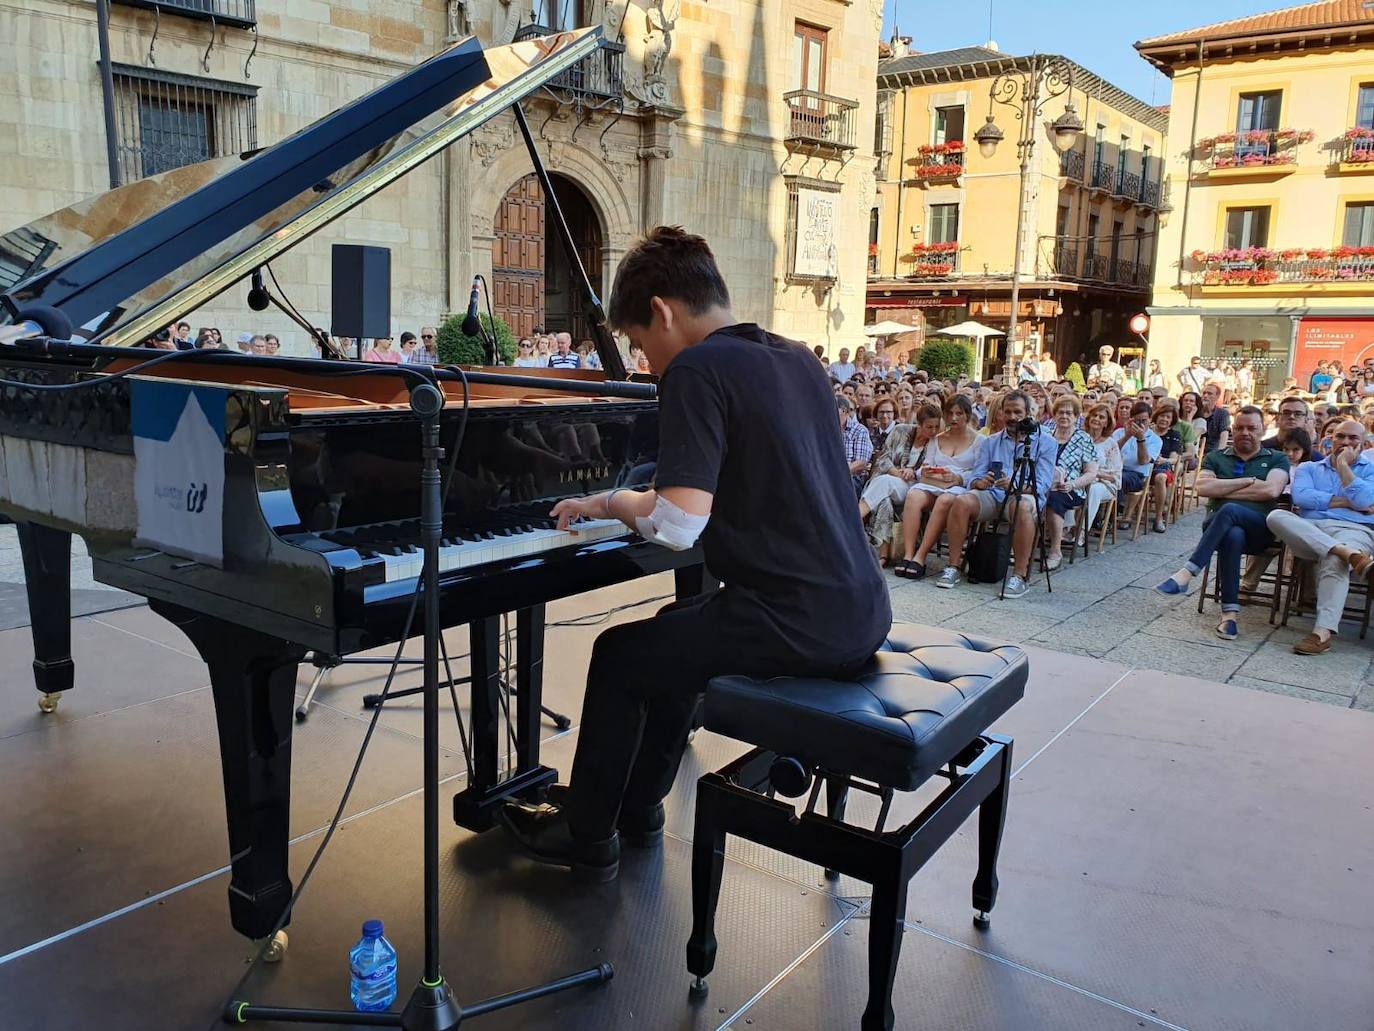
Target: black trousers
<point>643,685</point>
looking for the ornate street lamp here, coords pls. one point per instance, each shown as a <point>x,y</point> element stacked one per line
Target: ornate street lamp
<point>1027,93</point>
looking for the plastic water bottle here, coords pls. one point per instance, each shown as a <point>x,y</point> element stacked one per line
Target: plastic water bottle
<point>373,965</point>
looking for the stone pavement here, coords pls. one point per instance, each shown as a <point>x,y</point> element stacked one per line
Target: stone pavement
<point>1106,607</point>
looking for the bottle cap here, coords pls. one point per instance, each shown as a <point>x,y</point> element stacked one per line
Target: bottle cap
<point>372,929</point>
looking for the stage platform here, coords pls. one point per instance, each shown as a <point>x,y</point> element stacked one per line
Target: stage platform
<point>1178,854</point>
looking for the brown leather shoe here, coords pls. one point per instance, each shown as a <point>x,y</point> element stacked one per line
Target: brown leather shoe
<point>1312,645</point>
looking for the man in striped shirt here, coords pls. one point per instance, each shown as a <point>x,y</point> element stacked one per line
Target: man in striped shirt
<point>564,357</point>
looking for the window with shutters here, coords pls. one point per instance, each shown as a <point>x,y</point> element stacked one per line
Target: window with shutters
<point>949,125</point>
<point>1358,230</point>
<point>1258,111</point>
<point>944,223</point>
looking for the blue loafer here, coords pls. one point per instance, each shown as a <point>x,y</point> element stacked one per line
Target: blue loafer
<point>1171,587</point>
<point>1227,630</point>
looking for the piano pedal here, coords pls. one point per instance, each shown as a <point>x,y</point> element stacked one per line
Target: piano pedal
<point>275,948</point>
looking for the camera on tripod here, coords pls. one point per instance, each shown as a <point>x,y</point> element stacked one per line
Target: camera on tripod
<point>1024,427</point>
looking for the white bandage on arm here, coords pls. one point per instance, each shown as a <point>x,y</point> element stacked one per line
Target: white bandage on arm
<point>671,526</point>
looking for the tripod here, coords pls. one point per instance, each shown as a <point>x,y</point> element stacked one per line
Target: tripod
<point>1023,479</point>
<point>432,1005</point>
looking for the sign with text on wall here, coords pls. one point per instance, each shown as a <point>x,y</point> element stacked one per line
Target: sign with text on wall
<point>178,431</point>
<point>1323,340</point>
<point>815,248</point>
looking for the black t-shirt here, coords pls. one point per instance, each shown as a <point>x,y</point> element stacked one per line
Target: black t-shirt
<point>750,417</point>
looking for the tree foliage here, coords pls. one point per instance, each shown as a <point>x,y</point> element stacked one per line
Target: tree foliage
<point>945,359</point>
<point>457,348</point>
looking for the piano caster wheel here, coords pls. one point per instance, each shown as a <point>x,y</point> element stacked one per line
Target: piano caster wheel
<point>981,921</point>
<point>563,723</point>
<point>47,703</point>
<point>276,948</point>
<point>699,987</point>
<point>300,714</point>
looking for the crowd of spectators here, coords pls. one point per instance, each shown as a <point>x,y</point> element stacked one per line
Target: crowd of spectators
<point>933,461</point>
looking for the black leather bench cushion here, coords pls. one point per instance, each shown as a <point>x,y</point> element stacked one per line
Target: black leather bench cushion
<point>927,693</point>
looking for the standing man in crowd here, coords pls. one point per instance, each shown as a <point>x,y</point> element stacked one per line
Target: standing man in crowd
<point>1107,372</point>
<point>1333,525</point>
<point>991,479</point>
<point>802,596</point>
<point>1241,484</point>
<point>563,356</point>
<point>1321,378</point>
<point>1193,377</point>
<point>843,369</point>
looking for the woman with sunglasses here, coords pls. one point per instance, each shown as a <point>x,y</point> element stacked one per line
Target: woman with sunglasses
<point>524,355</point>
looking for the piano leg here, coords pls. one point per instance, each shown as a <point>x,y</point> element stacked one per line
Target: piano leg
<point>475,807</point>
<point>47,555</point>
<point>253,679</point>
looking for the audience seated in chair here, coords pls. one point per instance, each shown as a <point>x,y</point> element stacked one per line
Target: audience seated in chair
<point>1242,482</point>
<point>896,468</point>
<point>947,472</point>
<point>1074,472</point>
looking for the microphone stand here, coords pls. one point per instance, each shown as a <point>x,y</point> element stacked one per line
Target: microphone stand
<point>432,1005</point>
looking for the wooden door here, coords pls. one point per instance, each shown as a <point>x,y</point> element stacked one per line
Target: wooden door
<point>517,258</point>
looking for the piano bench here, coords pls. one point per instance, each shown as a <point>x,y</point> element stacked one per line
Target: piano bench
<point>920,709</point>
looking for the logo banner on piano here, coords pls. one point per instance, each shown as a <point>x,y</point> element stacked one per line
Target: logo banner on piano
<point>178,434</point>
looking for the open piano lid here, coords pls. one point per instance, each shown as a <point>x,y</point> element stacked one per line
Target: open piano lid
<point>124,264</point>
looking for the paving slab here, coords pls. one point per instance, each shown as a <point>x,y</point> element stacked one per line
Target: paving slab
<point>1141,651</point>
<point>1344,668</point>
<point>1292,691</point>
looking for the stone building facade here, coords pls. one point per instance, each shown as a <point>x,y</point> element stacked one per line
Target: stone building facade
<point>721,117</point>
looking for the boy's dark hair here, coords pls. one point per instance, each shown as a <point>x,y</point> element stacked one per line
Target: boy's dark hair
<point>669,263</point>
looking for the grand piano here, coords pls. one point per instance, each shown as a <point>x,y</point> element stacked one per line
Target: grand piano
<point>268,507</point>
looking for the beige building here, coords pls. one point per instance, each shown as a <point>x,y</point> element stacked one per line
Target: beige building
<point>1269,251</point>
<point>943,230</point>
<point>750,123</point>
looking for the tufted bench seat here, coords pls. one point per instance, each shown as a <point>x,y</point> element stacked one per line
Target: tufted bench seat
<point>921,708</point>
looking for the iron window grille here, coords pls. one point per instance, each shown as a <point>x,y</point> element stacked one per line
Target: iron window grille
<point>164,120</point>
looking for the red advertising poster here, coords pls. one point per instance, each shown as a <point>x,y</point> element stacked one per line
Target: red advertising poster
<point>1322,340</point>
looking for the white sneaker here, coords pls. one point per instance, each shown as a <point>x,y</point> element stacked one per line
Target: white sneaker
<point>1016,587</point>
<point>949,577</point>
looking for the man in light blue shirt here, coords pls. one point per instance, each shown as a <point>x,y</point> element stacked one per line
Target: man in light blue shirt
<point>1333,526</point>
<point>988,483</point>
<point>842,370</point>
<point>1140,446</point>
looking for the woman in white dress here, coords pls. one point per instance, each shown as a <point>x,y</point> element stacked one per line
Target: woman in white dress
<point>896,467</point>
<point>1098,423</point>
<point>948,468</point>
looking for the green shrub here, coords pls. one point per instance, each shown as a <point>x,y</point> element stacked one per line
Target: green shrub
<point>945,359</point>
<point>457,348</point>
<point>1074,374</point>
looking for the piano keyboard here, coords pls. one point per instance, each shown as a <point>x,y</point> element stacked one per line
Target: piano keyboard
<point>512,534</point>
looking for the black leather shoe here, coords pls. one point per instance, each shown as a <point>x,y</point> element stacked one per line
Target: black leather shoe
<point>642,829</point>
<point>542,832</point>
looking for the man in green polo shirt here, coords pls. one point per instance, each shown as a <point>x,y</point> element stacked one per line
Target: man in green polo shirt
<point>1241,484</point>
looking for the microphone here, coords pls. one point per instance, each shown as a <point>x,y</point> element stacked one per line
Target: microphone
<point>258,298</point>
<point>471,326</point>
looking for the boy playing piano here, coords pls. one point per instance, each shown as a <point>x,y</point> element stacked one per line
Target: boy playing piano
<point>759,475</point>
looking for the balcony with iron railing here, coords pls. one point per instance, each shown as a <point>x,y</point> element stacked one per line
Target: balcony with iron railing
<point>1251,153</point>
<point>1127,187</point>
<point>1095,266</point>
<point>1149,193</point>
<point>1345,269</point>
<point>239,13</point>
<point>597,81</point>
<point>939,162</point>
<point>821,122</point>
<point>932,260</point>
<point>1071,165</point>
<point>1355,151</point>
<point>1103,177</point>
<point>1065,260</point>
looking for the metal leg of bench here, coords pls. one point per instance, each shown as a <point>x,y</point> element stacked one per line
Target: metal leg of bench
<point>887,911</point>
<point>836,798</point>
<point>708,866</point>
<point>992,818</point>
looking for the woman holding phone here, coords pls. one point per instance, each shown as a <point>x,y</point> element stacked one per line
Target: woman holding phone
<point>948,466</point>
<point>896,468</point>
